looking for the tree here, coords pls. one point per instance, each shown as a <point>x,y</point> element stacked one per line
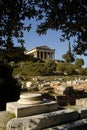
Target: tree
<point>69,16</point>
<point>50,66</point>
<point>12,16</point>
<point>68,56</point>
<point>79,62</point>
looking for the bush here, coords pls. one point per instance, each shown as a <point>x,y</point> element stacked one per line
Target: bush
<point>70,70</point>
<point>30,68</point>
<point>9,87</point>
<point>66,68</point>
<point>50,67</point>
<point>82,71</point>
<point>79,62</point>
<point>61,67</point>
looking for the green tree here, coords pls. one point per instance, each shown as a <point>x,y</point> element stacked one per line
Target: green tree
<point>54,14</point>
<point>70,70</point>
<point>69,16</point>
<point>12,17</point>
<point>12,20</point>
<point>68,57</point>
<point>50,66</point>
<point>79,62</point>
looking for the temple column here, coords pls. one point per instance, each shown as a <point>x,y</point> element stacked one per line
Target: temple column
<point>53,56</point>
<point>39,55</point>
<point>36,55</point>
<point>43,55</point>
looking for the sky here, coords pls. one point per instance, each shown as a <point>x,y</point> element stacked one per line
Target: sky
<point>51,39</point>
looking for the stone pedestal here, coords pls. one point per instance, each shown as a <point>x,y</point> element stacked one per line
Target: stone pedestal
<point>28,99</point>
<point>31,104</point>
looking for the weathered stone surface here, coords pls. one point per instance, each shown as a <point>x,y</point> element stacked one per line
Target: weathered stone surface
<point>42,121</point>
<point>28,84</point>
<point>83,112</point>
<point>76,125</point>
<point>81,102</point>
<point>21,110</point>
<point>64,90</point>
<point>28,99</point>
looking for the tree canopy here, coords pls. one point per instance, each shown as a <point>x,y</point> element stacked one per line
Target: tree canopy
<point>68,57</point>
<point>12,16</point>
<point>69,16</point>
<point>79,62</point>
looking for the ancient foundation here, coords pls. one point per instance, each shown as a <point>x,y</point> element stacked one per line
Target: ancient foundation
<point>35,113</point>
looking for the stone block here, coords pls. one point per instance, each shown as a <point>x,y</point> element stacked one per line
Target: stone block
<point>81,102</point>
<point>21,110</point>
<point>76,125</point>
<point>83,112</point>
<point>42,121</point>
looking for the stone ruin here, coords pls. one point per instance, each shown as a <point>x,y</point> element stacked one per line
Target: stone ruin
<point>68,93</point>
<point>45,112</point>
<point>33,112</point>
<point>64,93</point>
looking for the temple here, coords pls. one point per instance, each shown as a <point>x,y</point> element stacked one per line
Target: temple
<point>42,52</point>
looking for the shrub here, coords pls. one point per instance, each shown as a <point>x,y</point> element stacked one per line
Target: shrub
<point>50,67</point>
<point>82,71</point>
<point>79,62</point>
<point>70,70</point>
<point>9,87</point>
<point>61,67</point>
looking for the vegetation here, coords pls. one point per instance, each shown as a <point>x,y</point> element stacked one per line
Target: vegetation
<point>68,57</point>
<point>5,118</point>
<point>47,68</point>
<point>9,87</point>
<point>52,14</point>
<point>30,68</point>
<point>79,62</point>
<point>71,69</point>
<point>12,16</point>
<point>60,15</point>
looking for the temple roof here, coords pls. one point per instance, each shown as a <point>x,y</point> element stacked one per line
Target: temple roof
<point>40,47</point>
<point>43,47</point>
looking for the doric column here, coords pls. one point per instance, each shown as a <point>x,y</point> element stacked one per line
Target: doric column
<point>50,55</point>
<point>39,54</point>
<point>43,55</point>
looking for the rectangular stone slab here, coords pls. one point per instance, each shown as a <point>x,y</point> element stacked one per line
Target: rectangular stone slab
<point>75,125</point>
<point>42,121</point>
<point>82,111</point>
<point>21,110</point>
<point>81,102</point>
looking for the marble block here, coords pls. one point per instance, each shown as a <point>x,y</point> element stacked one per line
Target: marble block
<point>31,105</point>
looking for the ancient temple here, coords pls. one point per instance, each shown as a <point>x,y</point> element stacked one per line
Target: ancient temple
<point>42,52</point>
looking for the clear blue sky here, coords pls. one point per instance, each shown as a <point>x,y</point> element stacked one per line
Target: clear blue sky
<point>51,39</point>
